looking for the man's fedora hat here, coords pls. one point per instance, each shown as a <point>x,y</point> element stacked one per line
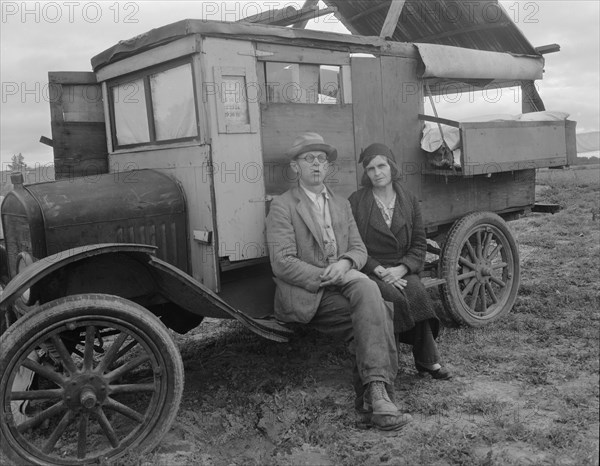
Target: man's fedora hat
<point>309,142</point>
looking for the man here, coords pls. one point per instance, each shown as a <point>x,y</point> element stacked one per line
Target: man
<point>316,253</point>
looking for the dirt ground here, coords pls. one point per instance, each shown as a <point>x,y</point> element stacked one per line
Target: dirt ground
<point>525,388</point>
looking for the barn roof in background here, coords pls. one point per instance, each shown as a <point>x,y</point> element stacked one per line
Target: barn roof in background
<point>474,24</point>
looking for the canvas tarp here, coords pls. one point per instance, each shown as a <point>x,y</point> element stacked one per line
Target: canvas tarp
<point>455,63</point>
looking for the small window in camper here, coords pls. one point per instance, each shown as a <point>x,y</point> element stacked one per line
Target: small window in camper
<point>154,107</point>
<point>294,83</point>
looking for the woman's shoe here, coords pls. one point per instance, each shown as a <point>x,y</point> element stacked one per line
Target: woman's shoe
<point>438,374</point>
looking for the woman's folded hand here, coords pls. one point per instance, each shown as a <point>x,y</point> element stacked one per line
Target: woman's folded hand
<point>394,276</point>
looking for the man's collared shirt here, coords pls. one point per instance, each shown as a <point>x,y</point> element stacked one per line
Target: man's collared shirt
<point>320,207</point>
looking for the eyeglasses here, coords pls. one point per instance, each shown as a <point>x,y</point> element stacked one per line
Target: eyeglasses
<point>310,158</point>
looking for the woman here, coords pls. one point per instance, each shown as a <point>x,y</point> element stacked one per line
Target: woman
<point>389,221</point>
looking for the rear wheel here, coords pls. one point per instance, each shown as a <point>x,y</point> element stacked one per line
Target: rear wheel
<point>108,380</point>
<point>480,262</point>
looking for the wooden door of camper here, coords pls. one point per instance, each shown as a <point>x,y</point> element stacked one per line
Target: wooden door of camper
<point>237,172</point>
<point>305,90</point>
<point>78,128</point>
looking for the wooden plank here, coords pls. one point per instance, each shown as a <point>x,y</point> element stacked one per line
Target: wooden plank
<point>440,86</point>
<point>292,54</point>
<point>402,103</point>
<point>550,48</point>
<point>307,15</point>
<point>282,123</point>
<point>546,207</point>
<point>531,101</point>
<point>367,103</point>
<point>290,15</point>
<point>82,103</point>
<point>444,200</point>
<point>368,11</point>
<point>443,121</point>
<point>501,146</point>
<point>485,27</point>
<point>307,4</point>
<point>71,77</point>
<point>77,122</point>
<point>391,20</point>
<point>429,282</point>
<point>170,51</point>
<point>46,141</point>
<point>272,17</point>
<point>571,141</point>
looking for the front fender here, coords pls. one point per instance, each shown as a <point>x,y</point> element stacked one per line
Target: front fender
<point>177,287</point>
<point>190,294</point>
<point>48,265</point>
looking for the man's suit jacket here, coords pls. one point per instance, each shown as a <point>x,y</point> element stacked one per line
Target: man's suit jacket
<point>298,254</point>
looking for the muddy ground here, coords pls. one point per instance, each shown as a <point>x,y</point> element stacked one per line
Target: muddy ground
<point>525,388</point>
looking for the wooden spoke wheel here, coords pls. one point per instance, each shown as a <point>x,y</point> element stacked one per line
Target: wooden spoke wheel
<point>480,262</point>
<point>86,379</point>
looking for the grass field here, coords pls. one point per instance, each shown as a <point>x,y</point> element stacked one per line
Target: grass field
<point>525,389</point>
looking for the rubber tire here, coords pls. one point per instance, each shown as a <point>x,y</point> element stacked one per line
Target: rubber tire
<point>111,309</point>
<point>9,317</point>
<point>450,292</point>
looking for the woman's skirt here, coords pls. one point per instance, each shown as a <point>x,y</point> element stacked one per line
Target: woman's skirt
<point>411,305</point>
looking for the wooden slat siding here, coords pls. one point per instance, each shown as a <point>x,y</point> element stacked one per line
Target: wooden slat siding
<point>367,103</point>
<point>512,145</point>
<point>402,103</point>
<point>446,199</point>
<point>291,54</point>
<point>78,128</point>
<point>391,20</point>
<point>282,123</point>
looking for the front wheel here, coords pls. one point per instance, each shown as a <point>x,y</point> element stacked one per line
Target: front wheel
<point>480,262</point>
<point>86,379</point>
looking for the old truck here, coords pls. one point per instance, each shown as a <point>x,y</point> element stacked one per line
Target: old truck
<point>167,156</point>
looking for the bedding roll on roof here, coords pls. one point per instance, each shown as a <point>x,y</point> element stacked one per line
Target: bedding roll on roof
<point>446,62</point>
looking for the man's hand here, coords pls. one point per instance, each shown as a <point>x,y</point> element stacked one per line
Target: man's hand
<point>394,276</point>
<point>334,273</point>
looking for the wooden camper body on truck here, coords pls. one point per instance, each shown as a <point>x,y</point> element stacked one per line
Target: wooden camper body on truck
<point>167,156</point>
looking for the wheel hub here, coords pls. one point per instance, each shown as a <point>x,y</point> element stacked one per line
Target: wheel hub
<point>483,269</point>
<point>486,271</point>
<point>85,391</point>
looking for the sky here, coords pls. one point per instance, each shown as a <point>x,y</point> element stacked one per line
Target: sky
<point>37,37</point>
